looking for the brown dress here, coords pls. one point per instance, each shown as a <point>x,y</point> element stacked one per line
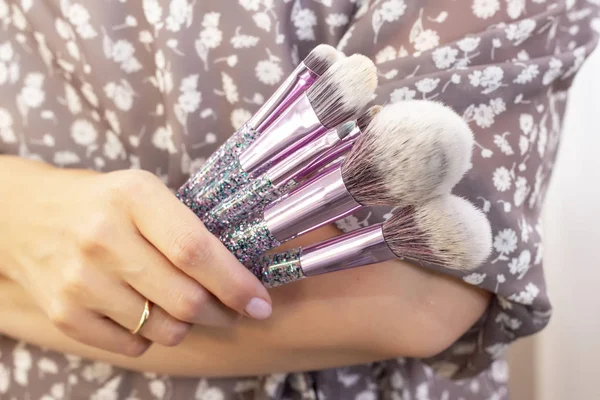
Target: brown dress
<point>159,84</point>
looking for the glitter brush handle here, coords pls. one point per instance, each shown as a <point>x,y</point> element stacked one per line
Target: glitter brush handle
<point>279,180</point>
<point>296,126</point>
<point>293,87</point>
<point>248,240</point>
<point>315,203</point>
<point>249,200</point>
<point>216,164</point>
<point>361,247</point>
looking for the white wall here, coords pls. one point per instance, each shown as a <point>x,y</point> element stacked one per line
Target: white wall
<point>563,362</point>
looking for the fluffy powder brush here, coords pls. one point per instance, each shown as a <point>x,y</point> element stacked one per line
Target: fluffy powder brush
<point>410,152</point>
<point>447,231</point>
<point>285,175</point>
<point>319,60</point>
<point>336,97</point>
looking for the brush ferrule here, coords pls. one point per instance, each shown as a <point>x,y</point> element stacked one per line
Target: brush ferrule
<point>298,124</point>
<point>286,169</point>
<point>361,247</point>
<point>293,86</point>
<point>318,202</point>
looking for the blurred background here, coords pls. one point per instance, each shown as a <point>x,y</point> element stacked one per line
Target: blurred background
<point>563,361</point>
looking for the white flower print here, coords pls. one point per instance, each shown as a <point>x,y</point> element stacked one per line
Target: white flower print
<point>427,85</point>
<point>474,278</point>
<point>250,5</point>
<point>189,101</point>
<point>64,158</point>
<point>402,94</point>
<point>526,123</point>
<point>366,395</point>
<point>389,11</point>
<point>553,72</point>
<point>490,78</point>
<point>7,135</point>
<point>180,13</point>
<point>526,296</point>
<point>468,44</point>
<point>496,350</point>
<point>515,8</point>
<point>268,72</point>
<point>444,57</point>
<point>528,74</point>
<point>484,115</point>
<point>426,40</point>
<point>304,19</point>
<point>507,322</point>
<point>336,21</point>
<point>58,391</point>
<point>392,10</point>
<point>523,144</point>
<point>239,116</point>
<point>4,378</point>
<point>162,139</point>
<point>121,94</point>
<point>502,179</point>
<point>158,388</point>
<point>485,9</point>
<point>521,191</point>
<point>112,149</point>
<point>503,144</point>
<point>505,241</point>
<point>519,31</point>
<point>240,41</point>
<point>152,11</point>
<point>108,391</point>
<point>520,265</point>
<point>209,393</point>
<point>388,53</point>
<point>79,17</point>
<point>31,95</point>
<point>211,37</point>
<point>47,366</point>
<point>262,20</point>
<point>83,132</point>
<point>229,88</point>
<point>97,371</point>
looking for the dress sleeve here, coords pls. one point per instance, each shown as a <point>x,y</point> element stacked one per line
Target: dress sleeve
<point>505,66</point>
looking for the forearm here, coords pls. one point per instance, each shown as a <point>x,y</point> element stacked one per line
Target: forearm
<point>371,313</point>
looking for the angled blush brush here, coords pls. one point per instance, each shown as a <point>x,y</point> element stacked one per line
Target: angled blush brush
<point>447,231</point>
<point>319,60</point>
<point>334,98</point>
<point>410,152</point>
<point>285,175</point>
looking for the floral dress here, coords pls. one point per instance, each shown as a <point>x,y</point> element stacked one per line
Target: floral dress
<point>158,85</point>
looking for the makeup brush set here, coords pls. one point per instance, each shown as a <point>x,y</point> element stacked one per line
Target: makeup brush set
<point>311,156</point>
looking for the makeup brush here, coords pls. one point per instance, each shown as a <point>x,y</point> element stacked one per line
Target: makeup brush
<point>410,152</point>
<point>319,60</point>
<point>286,175</point>
<point>447,231</point>
<point>336,97</point>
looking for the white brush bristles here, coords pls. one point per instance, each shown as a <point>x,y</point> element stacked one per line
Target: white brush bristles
<point>448,231</point>
<point>321,58</point>
<point>365,118</point>
<point>343,90</point>
<point>411,152</point>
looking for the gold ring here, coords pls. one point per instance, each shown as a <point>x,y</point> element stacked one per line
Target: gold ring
<point>144,318</point>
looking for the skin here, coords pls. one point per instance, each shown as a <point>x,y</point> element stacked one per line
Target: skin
<point>83,287</point>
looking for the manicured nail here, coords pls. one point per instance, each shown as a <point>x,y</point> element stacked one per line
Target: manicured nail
<point>258,308</point>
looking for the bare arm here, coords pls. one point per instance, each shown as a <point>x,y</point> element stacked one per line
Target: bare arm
<point>371,313</point>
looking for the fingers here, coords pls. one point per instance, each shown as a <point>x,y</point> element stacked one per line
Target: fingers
<point>178,234</point>
<point>154,277</point>
<point>94,330</point>
<point>160,327</point>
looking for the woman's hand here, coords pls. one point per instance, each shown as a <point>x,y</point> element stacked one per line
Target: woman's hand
<point>91,247</point>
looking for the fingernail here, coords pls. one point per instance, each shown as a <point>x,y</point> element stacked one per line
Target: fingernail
<point>258,308</point>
